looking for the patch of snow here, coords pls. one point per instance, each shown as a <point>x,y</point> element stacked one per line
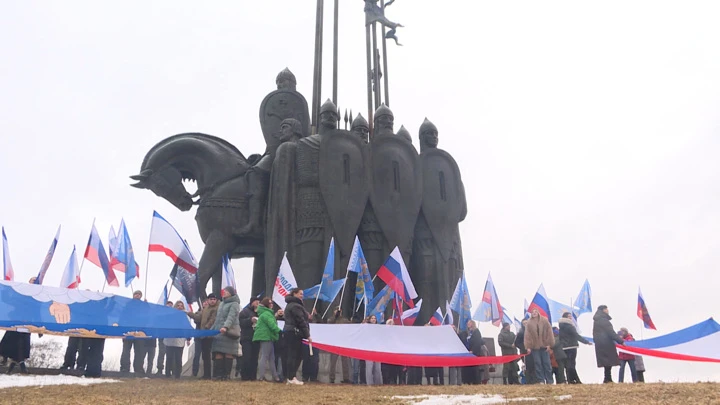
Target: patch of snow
<point>563,397</point>
<point>8,381</point>
<point>478,399</point>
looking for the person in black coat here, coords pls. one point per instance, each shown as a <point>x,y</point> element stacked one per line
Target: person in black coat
<point>570,339</point>
<point>295,330</point>
<point>530,376</point>
<point>474,342</point>
<point>247,366</point>
<point>605,338</point>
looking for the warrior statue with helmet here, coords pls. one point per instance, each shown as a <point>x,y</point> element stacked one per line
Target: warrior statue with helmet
<point>437,262</point>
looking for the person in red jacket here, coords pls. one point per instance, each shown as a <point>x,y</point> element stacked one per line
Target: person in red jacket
<point>627,358</point>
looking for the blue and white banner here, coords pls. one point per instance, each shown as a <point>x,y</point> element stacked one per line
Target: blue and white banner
<point>37,308</point>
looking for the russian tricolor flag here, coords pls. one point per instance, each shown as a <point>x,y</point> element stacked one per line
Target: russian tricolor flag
<point>540,302</point>
<point>642,312</point>
<point>408,317</point>
<point>395,274</point>
<point>71,275</point>
<point>95,254</point>
<point>8,273</point>
<point>437,318</point>
<point>48,258</point>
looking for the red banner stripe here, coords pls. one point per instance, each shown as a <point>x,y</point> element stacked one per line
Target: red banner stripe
<point>666,355</point>
<point>415,360</point>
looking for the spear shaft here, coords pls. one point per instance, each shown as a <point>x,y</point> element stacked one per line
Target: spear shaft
<point>369,81</point>
<point>335,53</point>
<point>317,70</point>
<point>376,65</point>
<point>385,62</point>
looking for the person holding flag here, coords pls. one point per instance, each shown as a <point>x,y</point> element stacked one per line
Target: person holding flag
<point>605,337</point>
<point>295,330</point>
<point>571,340</point>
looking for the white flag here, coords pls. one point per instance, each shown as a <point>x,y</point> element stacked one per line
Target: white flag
<point>284,282</point>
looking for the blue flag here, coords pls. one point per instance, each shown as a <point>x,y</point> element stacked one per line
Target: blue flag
<point>364,289</point>
<point>124,254</point>
<point>557,309</point>
<point>326,284</point>
<point>329,293</point>
<point>583,302</point>
<point>461,303</point>
<point>490,309</point>
<point>379,303</point>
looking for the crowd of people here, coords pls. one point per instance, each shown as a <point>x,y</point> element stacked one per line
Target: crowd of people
<point>252,339</point>
<point>551,352</point>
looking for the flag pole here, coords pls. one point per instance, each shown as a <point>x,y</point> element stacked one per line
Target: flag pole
<point>342,294</point>
<point>376,65</point>
<point>384,59</point>
<point>147,259</point>
<point>335,53</point>
<point>317,68</point>
<point>369,81</point>
<point>317,297</point>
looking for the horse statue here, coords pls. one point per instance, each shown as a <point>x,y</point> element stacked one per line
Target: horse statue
<point>222,194</point>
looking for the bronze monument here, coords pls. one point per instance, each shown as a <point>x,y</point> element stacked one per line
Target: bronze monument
<point>315,182</point>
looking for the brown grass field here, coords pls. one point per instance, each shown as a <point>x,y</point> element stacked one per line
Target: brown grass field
<point>160,391</point>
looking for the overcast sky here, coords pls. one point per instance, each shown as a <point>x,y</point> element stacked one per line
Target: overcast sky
<point>587,134</point>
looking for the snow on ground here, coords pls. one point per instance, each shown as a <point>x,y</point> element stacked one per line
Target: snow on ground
<point>478,399</point>
<point>7,381</point>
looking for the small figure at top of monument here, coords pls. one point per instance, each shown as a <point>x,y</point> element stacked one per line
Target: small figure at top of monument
<point>286,80</point>
<point>375,13</point>
<point>384,121</point>
<point>404,134</point>
<point>360,128</point>
<point>328,117</point>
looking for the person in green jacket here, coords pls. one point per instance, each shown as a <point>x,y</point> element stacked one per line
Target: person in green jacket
<point>267,333</point>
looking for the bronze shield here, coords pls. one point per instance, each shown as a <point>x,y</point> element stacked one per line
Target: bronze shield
<point>280,105</point>
<point>443,200</point>
<point>344,184</point>
<point>396,192</point>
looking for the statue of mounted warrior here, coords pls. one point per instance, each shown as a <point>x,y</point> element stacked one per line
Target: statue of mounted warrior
<point>315,182</point>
